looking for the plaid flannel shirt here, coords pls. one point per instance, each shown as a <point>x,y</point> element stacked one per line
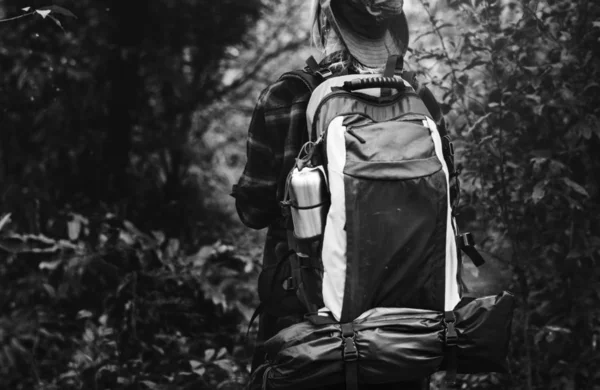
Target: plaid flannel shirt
<point>277,132</point>
<point>276,135</point>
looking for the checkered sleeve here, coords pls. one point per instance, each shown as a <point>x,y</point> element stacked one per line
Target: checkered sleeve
<point>256,190</point>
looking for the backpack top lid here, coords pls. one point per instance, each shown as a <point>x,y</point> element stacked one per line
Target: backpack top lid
<point>328,86</point>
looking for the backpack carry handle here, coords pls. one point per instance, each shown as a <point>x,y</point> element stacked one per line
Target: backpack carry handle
<point>374,82</point>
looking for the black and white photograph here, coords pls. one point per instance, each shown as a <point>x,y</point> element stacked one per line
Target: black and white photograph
<point>300,194</point>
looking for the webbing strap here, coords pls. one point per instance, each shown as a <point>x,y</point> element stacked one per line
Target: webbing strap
<point>254,375</point>
<point>411,77</point>
<point>291,239</point>
<point>466,243</point>
<point>390,67</point>
<point>315,69</point>
<point>451,351</point>
<point>266,377</point>
<point>259,309</point>
<point>312,64</point>
<point>350,356</point>
<point>310,81</point>
<point>297,263</point>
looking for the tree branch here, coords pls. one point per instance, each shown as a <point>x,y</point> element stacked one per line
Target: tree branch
<point>258,66</point>
<point>16,17</point>
<point>262,57</point>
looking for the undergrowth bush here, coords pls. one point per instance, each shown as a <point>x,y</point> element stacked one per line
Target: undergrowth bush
<point>112,307</point>
<point>518,82</point>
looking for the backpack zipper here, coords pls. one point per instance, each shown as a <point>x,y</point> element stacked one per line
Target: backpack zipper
<point>414,118</point>
<point>358,137</point>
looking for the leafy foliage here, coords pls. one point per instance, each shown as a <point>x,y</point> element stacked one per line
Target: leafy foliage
<point>113,272</point>
<point>518,80</point>
<point>114,307</point>
<point>104,115</point>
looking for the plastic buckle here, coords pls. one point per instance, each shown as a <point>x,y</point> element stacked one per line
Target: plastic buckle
<point>350,351</point>
<point>285,205</point>
<point>451,335</point>
<point>324,73</point>
<point>288,284</point>
<point>466,240</point>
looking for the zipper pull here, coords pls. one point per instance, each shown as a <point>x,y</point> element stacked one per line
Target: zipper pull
<point>358,137</point>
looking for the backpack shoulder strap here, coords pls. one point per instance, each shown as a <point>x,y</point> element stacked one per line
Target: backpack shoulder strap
<point>411,77</point>
<point>309,80</point>
<point>430,101</point>
<point>312,75</point>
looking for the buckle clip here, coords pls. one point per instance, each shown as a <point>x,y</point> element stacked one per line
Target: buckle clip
<point>466,240</point>
<point>324,73</point>
<point>350,351</point>
<point>285,205</point>
<point>288,284</point>
<point>451,335</point>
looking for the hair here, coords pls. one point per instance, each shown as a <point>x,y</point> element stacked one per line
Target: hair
<point>324,37</point>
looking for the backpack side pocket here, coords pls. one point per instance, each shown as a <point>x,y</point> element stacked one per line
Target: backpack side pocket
<point>277,288</point>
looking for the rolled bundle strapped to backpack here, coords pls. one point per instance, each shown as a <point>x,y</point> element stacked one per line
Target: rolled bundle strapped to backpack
<point>392,344</point>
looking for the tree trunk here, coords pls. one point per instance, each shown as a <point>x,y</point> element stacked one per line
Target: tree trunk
<point>124,96</point>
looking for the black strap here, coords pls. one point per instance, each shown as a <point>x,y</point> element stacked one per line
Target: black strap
<point>255,315</point>
<point>350,356</point>
<point>254,375</point>
<point>295,205</point>
<point>297,263</point>
<point>309,80</point>
<point>466,243</point>
<point>388,72</point>
<point>390,65</point>
<point>266,377</point>
<point>451,339</point>
<point>411,77</point>
<point>320,319</point>
<point>312,64</point>
<point>315,69</point>
<point>448,152</point>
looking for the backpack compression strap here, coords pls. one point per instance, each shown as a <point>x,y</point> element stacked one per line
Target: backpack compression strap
<point>349,352</point>
<point>450,340</point>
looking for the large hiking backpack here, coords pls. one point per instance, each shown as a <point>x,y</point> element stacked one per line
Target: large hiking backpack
<point>378,279</point>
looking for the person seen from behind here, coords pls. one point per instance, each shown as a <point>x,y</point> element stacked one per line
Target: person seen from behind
<point>355,37</point>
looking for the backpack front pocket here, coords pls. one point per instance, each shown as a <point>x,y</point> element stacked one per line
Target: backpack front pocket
<point>395,204</point>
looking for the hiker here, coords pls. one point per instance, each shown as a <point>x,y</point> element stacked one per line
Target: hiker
<point>356,37</point>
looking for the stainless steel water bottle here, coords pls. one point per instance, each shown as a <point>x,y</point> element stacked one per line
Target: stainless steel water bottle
<point>310,201</point>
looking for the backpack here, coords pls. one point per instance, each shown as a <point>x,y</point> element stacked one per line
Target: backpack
<point>374,252</point>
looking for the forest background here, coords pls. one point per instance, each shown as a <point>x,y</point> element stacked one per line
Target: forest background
<point>122,129</point>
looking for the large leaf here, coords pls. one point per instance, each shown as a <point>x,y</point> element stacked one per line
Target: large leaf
<point>57,10</point>
<point>575,187</point>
